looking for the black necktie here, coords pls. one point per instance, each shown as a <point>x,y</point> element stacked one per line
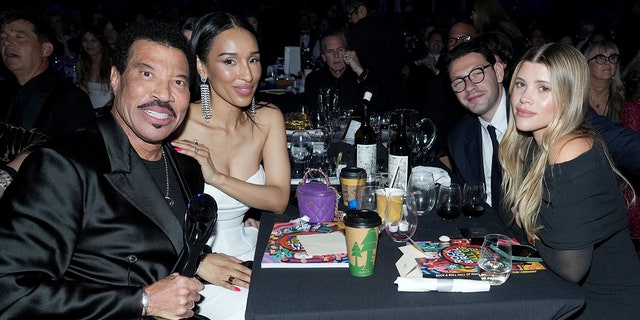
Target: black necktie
<point>496,171</point>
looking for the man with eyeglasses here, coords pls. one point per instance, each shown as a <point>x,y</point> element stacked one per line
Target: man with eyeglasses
<point>460,32</point>
<point>477,81</point>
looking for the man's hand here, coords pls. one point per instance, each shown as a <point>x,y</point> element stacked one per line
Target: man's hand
<point>173,297</point>
<point>351,59</point>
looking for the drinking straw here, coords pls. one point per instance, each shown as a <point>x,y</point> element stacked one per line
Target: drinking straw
<point>388,191</point>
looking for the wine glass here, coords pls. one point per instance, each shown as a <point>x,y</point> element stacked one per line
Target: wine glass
<point>401,218</point>
<point>449,201</point>
<point>473,200</point>
<point>494,260</point>
<point>301,152</point>
<point>423,187</point>
<point>424,135</point>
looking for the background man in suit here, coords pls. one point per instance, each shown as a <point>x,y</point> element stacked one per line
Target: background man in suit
<point>342,73</point>
<point>32,96</point>
<point>92,226</point>
<point>37,98</point>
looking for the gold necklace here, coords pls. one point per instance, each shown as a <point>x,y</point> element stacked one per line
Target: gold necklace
<point>166,173</point>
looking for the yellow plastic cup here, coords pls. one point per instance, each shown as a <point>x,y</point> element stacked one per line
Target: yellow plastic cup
<point>391,199</point>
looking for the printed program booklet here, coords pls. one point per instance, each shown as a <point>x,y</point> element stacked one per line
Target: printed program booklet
<point>285,248</point>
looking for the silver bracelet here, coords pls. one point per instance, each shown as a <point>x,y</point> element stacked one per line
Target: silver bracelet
<point>5,180</point>
<point>145,302</point>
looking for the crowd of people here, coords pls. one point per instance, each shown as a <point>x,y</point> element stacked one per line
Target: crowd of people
<point>97,106</point>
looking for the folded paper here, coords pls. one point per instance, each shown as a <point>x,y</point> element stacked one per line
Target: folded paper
<point>440,175</point>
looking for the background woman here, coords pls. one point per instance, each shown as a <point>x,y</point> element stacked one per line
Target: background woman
<point>241,145</point>
<point>561,185</point>
<point>94,68</point>
<point>630,118</point>
<point>606,91</point>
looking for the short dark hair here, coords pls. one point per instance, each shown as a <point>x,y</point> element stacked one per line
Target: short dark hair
<point>472,46</point>
<point>155,31</point>
<point>41,28</point>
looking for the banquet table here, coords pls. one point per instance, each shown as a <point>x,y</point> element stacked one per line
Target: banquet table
<point>332,293</point>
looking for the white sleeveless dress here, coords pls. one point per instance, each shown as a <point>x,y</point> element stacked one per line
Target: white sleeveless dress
<point>230,237</point>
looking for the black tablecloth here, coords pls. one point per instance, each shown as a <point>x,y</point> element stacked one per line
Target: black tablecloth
<point>334,293</point>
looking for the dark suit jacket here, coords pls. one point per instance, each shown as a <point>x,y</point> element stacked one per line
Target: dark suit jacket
<point>49,103</point>
<point>623,143</point>
<point>84,227</point>
<point>465,149</point>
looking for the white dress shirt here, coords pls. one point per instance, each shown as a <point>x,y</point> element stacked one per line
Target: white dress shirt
<point>499,121</point>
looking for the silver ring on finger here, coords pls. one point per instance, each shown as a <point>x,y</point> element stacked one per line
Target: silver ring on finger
<point>196,150</point>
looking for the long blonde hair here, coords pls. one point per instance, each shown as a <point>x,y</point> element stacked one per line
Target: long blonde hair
<point>523,161</point>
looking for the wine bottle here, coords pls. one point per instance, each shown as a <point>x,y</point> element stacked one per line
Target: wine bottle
<point>400,155</point>
<point>366,140</point>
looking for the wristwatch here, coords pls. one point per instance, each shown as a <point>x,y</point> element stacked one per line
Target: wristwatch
<point>145,302</point>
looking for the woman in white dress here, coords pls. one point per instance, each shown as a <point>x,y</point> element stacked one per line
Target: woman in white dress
<point>94,68</point>
<point>241,146</point>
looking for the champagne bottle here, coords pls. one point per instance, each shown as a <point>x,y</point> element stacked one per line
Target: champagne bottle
<point>400,155</point>
<point>366,140</point>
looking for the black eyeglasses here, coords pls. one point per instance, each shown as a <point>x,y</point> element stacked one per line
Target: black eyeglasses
<point>465,38</point>
<point>601,58</point>
<point>475,76</point>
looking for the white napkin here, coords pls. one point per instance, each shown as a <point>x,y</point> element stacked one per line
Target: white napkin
<point>441,285</point>
<point>440,175</point>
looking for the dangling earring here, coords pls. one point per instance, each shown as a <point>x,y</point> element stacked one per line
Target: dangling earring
<point>205,99</point>
<point>252,109</point>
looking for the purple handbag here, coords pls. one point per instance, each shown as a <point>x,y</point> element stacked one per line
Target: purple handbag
<point>317,200</point>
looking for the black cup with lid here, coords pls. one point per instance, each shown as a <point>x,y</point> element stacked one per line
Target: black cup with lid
<point>363,218</point>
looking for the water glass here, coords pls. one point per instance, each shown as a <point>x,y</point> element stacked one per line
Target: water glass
<point>494,260</point>
<point>424,136</point>
<point>423,187</point>
<point>473,200</point>
<point>366,198</point>
<point>449,201</point>
<point>301,152</point>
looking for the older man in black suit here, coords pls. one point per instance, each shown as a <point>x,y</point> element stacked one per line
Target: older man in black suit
<point>92,226</point>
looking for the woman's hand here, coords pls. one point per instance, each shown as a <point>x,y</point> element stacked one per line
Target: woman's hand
<point>224,271</point>
<point>200,152</point>
<point>250,222</point>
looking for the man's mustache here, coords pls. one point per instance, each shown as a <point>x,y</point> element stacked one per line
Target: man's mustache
<point>158,103</point>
